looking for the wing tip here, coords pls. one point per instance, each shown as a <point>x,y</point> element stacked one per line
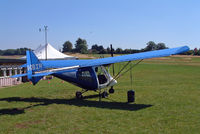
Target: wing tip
<point>183,49</point>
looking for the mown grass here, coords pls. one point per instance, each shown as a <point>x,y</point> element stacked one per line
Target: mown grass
<point>167,101</point>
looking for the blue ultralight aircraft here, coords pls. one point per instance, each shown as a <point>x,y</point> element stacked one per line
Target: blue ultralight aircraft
<point>92,74</point>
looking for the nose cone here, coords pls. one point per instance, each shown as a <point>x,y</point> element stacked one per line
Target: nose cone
<point>112,82</point>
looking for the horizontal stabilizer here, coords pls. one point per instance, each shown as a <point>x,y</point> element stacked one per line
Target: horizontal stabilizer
<point>42,74</point>
<point>18,75</point>
<point>46,72</point>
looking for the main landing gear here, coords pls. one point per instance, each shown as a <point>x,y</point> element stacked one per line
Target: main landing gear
<point>79,94</point>
<point>104,94</point>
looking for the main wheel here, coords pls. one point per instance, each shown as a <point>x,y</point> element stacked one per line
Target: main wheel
<point>79,95</point>
<point>104,94</point>
<point>111,90</point>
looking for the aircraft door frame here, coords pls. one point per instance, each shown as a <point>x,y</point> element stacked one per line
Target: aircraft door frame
<point>102,73</point>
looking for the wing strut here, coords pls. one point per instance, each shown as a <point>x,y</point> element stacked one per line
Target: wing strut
<point>122,70</point>
<point>132,66</point>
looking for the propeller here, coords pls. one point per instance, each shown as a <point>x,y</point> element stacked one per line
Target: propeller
<point>111,90</point>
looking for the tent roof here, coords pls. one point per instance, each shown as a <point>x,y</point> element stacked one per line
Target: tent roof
<point>52,53</point>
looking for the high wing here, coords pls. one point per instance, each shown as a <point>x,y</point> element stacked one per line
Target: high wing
<point>116,59</point>
<point>36,69</point>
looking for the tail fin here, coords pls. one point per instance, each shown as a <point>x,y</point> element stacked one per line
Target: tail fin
<point>33,65</point>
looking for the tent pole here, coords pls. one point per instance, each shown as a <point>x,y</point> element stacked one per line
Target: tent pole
<point>45,28</point>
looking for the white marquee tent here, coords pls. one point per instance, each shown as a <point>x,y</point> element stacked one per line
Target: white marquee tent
<point>52,53</point>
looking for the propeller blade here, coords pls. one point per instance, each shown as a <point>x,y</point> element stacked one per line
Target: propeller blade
<point>113,66</point>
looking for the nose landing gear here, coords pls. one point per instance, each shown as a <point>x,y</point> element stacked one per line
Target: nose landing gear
<point>111,90</point>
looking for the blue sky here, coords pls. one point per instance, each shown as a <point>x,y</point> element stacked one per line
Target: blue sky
<point>123,23</point>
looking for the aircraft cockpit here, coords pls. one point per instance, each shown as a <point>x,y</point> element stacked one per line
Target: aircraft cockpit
<point>104,78</point>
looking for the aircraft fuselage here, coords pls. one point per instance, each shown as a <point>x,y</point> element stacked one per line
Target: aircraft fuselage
<point>89,78</point>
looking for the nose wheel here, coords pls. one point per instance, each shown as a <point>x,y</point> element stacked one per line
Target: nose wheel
<point>111,90</point>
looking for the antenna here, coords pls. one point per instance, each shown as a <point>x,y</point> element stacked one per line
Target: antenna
<point>45,38</point>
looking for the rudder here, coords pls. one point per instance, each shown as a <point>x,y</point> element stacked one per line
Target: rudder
<point>33,65</point>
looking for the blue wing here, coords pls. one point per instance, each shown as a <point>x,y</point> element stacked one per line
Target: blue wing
<point>36,69</point>
<point>116,59</point>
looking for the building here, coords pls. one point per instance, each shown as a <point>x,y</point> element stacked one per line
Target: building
<point>10,67</point>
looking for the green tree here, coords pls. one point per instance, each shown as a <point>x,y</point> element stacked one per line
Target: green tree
<point>199,52</point>
<point>108,50</point>
<point>18,51</point>
<point>195,51</point>
<point>151,46</point>
<point>127,51</point>
<point>67,46</point>
<point>9,52</point>
<point>98,49</point>
<point>1,52</point>
<point>81,46</point>
<point>118,51</point>
<point>161,46</point>
<point>101,50</point>
<point>95,48</point>
<point>22,51</point>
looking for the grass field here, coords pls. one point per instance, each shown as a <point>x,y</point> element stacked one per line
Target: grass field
<point>167,101</point>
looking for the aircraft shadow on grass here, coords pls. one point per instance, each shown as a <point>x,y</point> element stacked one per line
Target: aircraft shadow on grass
<point>73,101</point>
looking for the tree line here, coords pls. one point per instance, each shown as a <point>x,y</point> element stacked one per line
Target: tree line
<point>196,51</point>
<point>18,51</point>
<point>81,46</point>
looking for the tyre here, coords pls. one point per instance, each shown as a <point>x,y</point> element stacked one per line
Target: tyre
<point>79,95</point>
<point>104,94</point>
<point>111,91</point>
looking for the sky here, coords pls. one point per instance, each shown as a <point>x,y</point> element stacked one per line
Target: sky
<point>123,23</point>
